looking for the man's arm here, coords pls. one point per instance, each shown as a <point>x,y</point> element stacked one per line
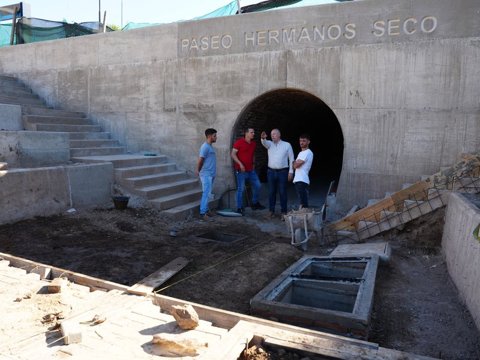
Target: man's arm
<point>298,163</point>
<point>199,165</point>
<point>291,159</point>
<point>263,139</point>
<point>236,159</point>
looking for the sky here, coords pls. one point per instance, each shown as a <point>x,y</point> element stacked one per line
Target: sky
<point>138,11</point>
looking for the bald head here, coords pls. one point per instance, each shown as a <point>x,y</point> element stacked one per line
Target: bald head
<point>275,134</point>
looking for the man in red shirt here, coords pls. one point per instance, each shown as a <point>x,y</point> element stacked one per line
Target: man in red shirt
<point>243,155</point>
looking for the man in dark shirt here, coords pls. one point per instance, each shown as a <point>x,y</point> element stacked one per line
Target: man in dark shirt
<point>243,155</point>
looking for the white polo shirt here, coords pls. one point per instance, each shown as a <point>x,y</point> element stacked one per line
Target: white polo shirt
<point>280,154</point>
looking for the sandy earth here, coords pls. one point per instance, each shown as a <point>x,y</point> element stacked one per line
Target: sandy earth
<point>416,308</point>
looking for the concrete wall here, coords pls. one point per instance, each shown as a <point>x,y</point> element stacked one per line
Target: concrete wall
<point>34,149</point>
<point>401,76</point>
<point>10,117</point>
<point>26,193</point>
<point>462,250</point>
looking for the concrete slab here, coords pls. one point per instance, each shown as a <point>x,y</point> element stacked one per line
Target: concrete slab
<point>34,149</point>
<point>381,249</point>
<point>323,293</point>
<point>10,117</point>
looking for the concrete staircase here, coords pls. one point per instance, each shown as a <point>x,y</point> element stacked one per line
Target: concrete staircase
<point>155,178</point>
<point>409,203</point>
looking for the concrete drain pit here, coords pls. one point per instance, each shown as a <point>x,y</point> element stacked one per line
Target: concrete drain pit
<point>220,237</point>
<point>322,293</point>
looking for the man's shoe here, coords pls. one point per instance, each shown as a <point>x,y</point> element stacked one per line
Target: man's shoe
<point>241,211</point>
<point>283,216</point>
<point>258,206</point>
<point>272,215</point>
<point>205,217</point>
<point>211,213</point>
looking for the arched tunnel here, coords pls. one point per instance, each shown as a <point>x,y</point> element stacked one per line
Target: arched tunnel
<point>295,112</point>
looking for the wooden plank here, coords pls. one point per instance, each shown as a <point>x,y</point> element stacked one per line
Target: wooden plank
<point>77,278</point>
<point>147,285</point>
<point>392,203</point>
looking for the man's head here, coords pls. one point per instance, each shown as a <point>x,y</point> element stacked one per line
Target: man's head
<point>275,134</point>
<point>211,135</point>
<point>304,141</point>
<point>249,134</point>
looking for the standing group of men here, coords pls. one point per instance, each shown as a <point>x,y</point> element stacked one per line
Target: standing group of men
<point>282,168</point>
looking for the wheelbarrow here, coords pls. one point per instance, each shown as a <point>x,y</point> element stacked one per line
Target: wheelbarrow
<point>302,225</point>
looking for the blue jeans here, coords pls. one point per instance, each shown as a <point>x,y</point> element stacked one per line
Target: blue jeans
<point>254,183</point>
<point>207,184</point>
<point>277,180</point>
<point>302,193</point>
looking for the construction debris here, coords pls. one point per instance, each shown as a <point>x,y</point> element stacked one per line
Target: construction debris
<point>178,344</point>
<point>382,249</point>
<point>186,316</point>
<point>71,332</point>
<point>97,319</point>
<point>56,285</point>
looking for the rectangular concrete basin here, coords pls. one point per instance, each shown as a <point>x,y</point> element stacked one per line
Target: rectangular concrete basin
<point>323,293</point>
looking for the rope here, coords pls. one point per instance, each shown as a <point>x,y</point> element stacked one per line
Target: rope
<point>210,267</point>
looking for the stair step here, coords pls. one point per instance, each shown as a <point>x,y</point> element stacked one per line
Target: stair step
<point>363,225</point>
<point>373,202</point>
<point>93,143</point>
<point>146,180</point>
<point>20,100</point>
<point>8,78</point>
<point>14,91</point>
<point>89,135</point>
<point>95,151</point>
<point>188,209</point>
<point>124,160</point>
<point>57,120</point>
<point>347,234</point>
<point>410,204</point>
<point>133,171</point>
<point>468,184</point>
<point>152,192</point>
<point>11,83</point>
<point>68,128</point>
<point>170,201</point>
<point>42,110</point>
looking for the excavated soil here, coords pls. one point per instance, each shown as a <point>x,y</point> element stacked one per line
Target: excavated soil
<point>416,307</point>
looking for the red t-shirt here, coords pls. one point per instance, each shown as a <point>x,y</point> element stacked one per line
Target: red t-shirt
<point>245,153</point>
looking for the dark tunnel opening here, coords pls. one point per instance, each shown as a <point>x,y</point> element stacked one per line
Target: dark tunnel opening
<point>295,112</point>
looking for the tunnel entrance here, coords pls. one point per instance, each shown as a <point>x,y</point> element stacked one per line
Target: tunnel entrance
<point>295,112</point>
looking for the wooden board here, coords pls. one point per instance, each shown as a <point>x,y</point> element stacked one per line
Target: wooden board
<point>147,285</point>
<point>77,278</point>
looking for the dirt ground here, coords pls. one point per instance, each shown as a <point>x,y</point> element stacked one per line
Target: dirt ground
<point>416,307</point>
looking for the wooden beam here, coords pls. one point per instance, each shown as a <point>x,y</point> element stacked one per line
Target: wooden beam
<point>14,21</point>
<point>77,278</point>
<point>147,285</point>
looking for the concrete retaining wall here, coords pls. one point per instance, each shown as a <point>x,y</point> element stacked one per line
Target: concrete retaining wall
<point>10,117</point>
<point>401,78</point>
<point>26,193</point>
<point>34,149</point>
<point>462,250</point>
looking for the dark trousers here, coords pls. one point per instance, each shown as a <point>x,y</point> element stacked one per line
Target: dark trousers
<point>302,193</point>
<point>277,180</point>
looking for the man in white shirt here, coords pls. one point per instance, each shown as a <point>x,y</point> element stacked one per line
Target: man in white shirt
<point>280,169</point>
<point>302,167</point>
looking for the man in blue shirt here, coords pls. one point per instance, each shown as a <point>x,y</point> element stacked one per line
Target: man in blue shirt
<point>206,170</point>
